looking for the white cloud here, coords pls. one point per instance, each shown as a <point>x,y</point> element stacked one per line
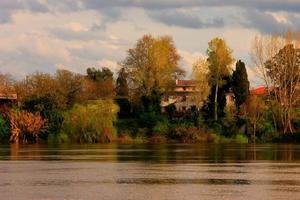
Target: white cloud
<point>188,59</point>
<point>76,27</point>
<point>112,65</point>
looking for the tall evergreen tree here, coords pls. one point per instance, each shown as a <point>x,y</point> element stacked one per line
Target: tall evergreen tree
<point>240,84</point>
<point>121,84</point>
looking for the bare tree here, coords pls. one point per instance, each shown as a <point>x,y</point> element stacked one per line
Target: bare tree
<point>277,60</point>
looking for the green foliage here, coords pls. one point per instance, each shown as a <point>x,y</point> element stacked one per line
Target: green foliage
<point>149,111</point>
<point>209,107</point>
<point>217,128</point>
<point>266,131</point>
<point>219,64</point>
<point>127,126</point>
<point>229,122</point>
<point>125,107</point>
<point>91,123</point>
<point>58,138</point>
<point>104,74</point>
<point>241,138</point>
<point>4,130</point>
<point>171,110</point>
<point>240,84</point>
<point>161,127</point>
<point>296,121</point>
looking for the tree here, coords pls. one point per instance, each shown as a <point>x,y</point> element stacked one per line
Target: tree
<point>200,75</point>
<point>6,84</point>
<point>102,82</point>
<point>69,86</point>
<point>104,74</point>
<point>152,64</point>
<point>277,60</point>
<point>220,60</point>
<point>121,83</point>
<point>253,109</point>
<point>93,122</point>
<point>240,84</point>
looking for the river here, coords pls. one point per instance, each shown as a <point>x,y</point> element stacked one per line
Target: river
<point>149,172</point>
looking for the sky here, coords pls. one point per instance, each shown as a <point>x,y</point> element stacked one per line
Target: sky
<point>46,35</point>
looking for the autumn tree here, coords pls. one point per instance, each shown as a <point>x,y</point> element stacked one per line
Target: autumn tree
<point>253,110</point>
<point>38,86</point>
<point>6,84</point>
<point>69,86</point>
<point>102,82</point>
<point>240,84</point>
<point>219,64</point>
<point>200,76</point>
<point>152,65</point>
<point>277,60</point>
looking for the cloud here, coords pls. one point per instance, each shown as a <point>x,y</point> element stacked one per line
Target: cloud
<point>75,34</point>
<point>188,59</point>
<point>185,19</point>
<point>111,64</point>
<point>270,22</point>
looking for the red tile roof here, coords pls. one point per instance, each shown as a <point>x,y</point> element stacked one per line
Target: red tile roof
<point>185,82</point>
<point>262,90</point>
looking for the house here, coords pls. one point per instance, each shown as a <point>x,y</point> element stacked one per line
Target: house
<point>182,96</point>
<point>8,99</point>
<point>260,91</point>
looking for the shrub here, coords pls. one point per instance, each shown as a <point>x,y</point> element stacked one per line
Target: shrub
<point>187,134</point>
<point>217,128</point>
<point>4,129</point>
<point>25,126</point>
<point>161,127</point>
<point>127,126</point>
<point>91,123</point>
<point>241,138</point>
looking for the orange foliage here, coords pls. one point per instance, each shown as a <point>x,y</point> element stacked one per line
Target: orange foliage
<point>25,125</point>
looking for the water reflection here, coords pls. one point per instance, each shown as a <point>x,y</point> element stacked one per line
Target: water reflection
<point>207,153</point>
<point>170,171</point>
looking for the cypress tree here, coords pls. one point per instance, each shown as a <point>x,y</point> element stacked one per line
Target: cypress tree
<point>240,84</point>
<point>121,84</point>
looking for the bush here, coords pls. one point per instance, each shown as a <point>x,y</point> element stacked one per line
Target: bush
<point>187,134</point>
<point>91,123</point>
<point>241,138</point>
<point>217,128</point>
<point>58,138</point>
<point>127,126</point>
<point>4,130</point>
<point>25,126</point>
<point>161,127</point>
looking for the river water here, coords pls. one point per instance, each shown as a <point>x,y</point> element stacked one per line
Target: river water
<point>146,172</point>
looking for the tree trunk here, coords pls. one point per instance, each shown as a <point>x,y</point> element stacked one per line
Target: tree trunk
<point>254,132</point>
<point>216,102</point>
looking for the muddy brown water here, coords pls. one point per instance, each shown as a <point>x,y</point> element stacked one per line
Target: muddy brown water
<point>149,172</point>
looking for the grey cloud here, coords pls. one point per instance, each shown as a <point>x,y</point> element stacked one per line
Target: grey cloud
<point>183,19</point>
<point>159,10</point>
<point>268,24</point>
<point>269,5</point>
